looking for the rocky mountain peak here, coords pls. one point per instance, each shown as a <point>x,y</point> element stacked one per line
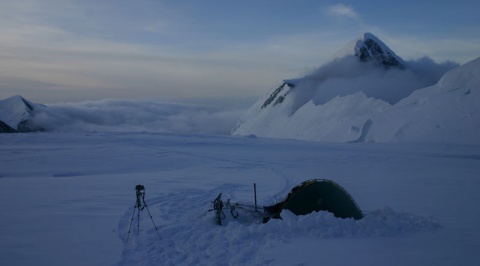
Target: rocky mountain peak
<point>370,48</point>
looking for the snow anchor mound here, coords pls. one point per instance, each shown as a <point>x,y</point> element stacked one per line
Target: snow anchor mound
<point>307,197</point>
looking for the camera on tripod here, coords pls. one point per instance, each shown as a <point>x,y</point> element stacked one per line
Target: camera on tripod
<point>139,188</point>
<point>140,205</point>
<point>140,197</point>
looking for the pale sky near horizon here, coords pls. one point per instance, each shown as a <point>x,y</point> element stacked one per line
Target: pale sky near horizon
<point>77,50</point>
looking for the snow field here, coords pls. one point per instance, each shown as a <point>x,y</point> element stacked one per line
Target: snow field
<point>73,203</point>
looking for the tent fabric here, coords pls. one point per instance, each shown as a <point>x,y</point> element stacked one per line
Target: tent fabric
<point>318,195</point>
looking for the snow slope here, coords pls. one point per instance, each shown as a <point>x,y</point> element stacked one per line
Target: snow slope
<point>67,199</point>
<point>368,93</point>
<point>448,111</point>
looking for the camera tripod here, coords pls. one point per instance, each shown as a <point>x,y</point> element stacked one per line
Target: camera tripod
<point>140,205</point>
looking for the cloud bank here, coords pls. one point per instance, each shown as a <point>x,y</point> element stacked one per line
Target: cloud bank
<point>348,75</point>
<point>340,77</point>
<point>136,116</point>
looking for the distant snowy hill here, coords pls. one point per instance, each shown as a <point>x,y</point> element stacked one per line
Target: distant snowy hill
<point>16,115</point>
<point>368,93</point>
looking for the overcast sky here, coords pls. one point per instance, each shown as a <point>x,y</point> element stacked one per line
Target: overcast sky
<point>75,50</point>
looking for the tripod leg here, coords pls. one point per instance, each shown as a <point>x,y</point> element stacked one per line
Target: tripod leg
<point>131,221</point>
<point>138,221</point>
<point>151,218</point>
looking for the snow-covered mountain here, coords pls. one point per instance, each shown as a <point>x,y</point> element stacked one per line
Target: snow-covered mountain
<point>16,115</point>
<point>368,93</point>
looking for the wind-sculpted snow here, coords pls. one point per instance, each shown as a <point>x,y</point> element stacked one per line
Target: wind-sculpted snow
<point>190,235</point>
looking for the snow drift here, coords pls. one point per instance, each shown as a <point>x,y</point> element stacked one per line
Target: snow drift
<point>368,93</point>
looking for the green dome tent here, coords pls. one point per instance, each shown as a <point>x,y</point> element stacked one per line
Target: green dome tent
<point>317,195</point>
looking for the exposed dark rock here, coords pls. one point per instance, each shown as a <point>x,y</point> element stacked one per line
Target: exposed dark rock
<point>276,92</point>
<point>372,49</point>
<point>4,128</point>
<point>273,95</point>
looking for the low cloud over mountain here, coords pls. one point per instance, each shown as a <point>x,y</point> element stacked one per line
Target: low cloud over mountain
<point>119,116</point>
